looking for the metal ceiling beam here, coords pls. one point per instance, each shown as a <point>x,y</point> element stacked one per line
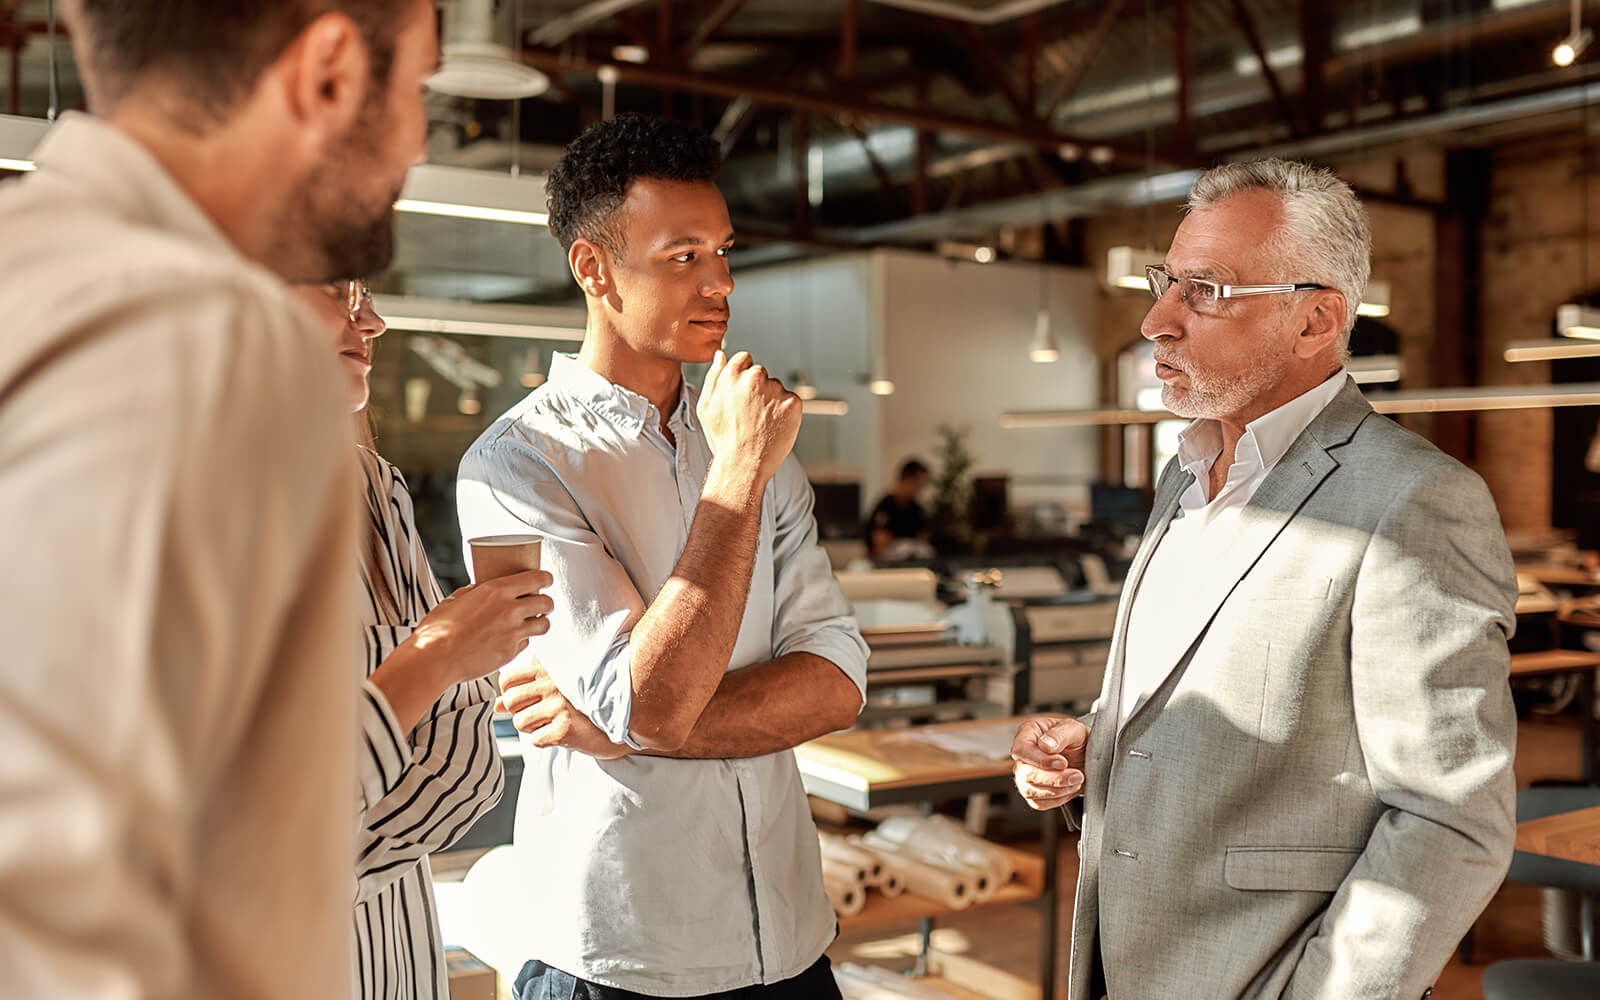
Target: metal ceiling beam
<point>995,70</point>
<point>1247,25</point>
<point>880,171</point>
<point>1068,84</point>
<point>832,102</point>
<point>1185,69</point>
<point>1316,46</point>
<point>849,27</point>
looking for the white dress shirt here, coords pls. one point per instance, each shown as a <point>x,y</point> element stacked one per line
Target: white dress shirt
<point>177,709</point>
<point>1180,579</point>
<point>664,877</point>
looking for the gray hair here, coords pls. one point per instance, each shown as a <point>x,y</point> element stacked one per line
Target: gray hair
<point>1325,236</point>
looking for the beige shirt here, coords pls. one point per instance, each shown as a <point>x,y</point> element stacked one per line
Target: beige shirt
<point>177,715</point>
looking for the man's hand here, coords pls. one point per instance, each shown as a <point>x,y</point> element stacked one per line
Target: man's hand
<point>539,709</point>
<point>750,419</point>
<point>1048,756</point>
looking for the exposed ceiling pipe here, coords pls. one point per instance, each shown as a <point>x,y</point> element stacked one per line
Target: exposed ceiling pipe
<point>560,29</point>
<point>998,14</point>
<point>1173,186</point>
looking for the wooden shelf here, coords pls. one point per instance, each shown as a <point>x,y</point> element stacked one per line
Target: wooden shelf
<point>908,908</point>
<point>1553,661</point>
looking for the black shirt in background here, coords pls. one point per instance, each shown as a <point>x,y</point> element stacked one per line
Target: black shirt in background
<point>899,520</point>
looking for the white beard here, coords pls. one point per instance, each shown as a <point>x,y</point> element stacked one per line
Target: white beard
<point>1212,396</point>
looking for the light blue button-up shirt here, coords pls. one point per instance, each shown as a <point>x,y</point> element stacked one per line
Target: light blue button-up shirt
<point>664,877</point>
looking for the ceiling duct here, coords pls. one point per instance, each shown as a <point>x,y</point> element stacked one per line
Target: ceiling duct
<point>477,56</point>
<point>999,13</point>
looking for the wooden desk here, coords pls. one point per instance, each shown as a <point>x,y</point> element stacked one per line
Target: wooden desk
<point>1553,661</point>
<point>1573,836</point>
<point>1565,661</point>
<point>864,769</point>
<point>1560,576</point>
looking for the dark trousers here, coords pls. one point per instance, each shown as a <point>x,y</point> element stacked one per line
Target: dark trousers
<point>538,981</point>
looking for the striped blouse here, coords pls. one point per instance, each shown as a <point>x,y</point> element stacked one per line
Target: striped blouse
<point>419,791</point>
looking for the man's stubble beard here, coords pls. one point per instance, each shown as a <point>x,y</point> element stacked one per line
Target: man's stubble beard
<point>1212,396</point>
<point>349,230</point>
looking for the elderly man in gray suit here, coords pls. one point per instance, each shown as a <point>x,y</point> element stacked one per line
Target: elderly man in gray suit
<point>1297,779</point>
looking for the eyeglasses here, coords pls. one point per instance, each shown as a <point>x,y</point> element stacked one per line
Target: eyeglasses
<point>1206,296</point>
<point>356,294</point>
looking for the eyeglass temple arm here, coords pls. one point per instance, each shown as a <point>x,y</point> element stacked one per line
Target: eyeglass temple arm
<point>1238,291</point>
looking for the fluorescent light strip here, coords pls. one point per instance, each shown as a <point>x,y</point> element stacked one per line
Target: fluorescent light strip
<point>824,407</point>
<point>479,328</point>
<point>1557,349</point>
<point>1376,375</point>
<point>1420,401</point>
<point>23,165</point>
<point>472,212</point>
<point>1535,397</point>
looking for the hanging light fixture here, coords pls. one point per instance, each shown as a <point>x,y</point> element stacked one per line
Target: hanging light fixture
<point>1125,266</point>
<point>1574,320</point>
<point>468,404</point>
<point>477,58</point>
<point>1578,38</point>
<point>1375,300</point>
<point>1043,349</point>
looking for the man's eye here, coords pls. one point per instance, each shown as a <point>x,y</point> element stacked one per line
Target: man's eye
<point>684,258</point>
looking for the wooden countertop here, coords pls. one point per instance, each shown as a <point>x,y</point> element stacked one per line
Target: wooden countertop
<point>1573,836</point>
<point>879,759</point>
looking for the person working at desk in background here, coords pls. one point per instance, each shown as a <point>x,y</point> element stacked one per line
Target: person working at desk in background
<point>176,702</point>
<point>1297,780</point>
<point>698,635</point>
<point>898,527</point>
<point>429,765</point>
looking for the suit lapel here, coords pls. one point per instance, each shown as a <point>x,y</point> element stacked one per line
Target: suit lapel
<point>1298,474</point>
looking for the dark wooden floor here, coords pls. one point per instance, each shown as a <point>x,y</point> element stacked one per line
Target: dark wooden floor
<point>1007,936</point>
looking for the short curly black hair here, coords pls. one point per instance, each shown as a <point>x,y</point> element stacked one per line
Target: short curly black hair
<point>592,180</point>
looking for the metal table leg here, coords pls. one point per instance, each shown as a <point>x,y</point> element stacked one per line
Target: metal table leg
<point>1050,844</point>
<point>1586,712</point>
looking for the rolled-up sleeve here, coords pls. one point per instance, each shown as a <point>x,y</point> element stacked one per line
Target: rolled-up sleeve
<point>812,613</point>
<point>504,487</point>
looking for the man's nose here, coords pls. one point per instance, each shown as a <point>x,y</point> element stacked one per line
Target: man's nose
<point>1164,318</point>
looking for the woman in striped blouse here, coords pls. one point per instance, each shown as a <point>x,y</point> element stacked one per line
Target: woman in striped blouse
<point>429,764</point>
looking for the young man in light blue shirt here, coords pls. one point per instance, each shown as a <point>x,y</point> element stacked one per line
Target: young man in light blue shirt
<point>698,635</point>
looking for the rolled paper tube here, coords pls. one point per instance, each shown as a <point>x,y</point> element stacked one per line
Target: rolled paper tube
<point>930,881</point>
<point>891,882</point>
<point>842,872</point>
<point>835,848</point>
<point>942,841</point>
<point>847,897</point>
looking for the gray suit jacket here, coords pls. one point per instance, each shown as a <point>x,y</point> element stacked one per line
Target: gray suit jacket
<point>1318,800</point>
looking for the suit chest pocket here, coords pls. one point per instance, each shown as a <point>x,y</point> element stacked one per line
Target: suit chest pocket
<point>1288,869</point>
